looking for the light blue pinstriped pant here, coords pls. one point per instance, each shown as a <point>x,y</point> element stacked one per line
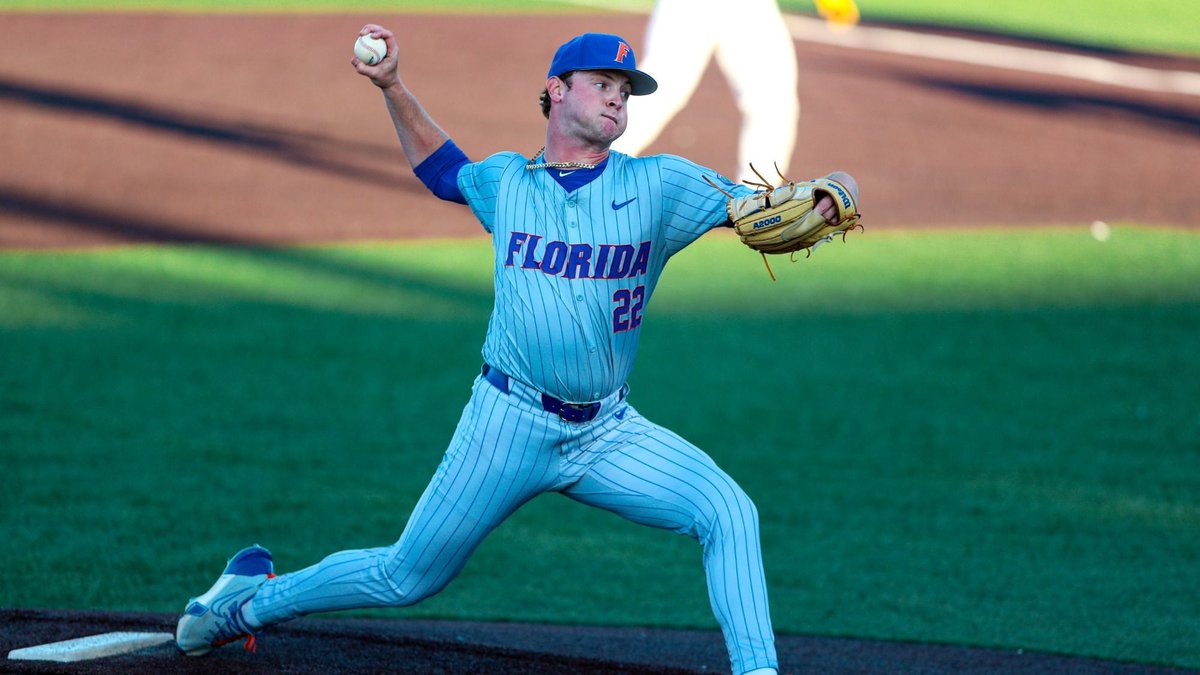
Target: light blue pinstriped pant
<point>507,450</point>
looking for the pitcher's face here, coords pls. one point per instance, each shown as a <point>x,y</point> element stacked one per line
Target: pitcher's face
<point>594,108</point>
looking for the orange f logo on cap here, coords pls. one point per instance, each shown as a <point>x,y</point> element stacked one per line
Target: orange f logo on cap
<point>622,51</point>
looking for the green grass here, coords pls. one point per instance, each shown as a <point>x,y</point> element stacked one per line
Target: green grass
<point>999,444</point>
<point>357,6</point>
<point>1140,25</point>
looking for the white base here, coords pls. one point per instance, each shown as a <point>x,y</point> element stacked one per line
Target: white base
<point>91,647</point>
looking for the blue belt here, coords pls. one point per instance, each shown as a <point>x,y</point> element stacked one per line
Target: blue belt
<point>569,412</point>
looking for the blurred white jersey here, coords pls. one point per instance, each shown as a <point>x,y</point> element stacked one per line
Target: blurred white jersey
<point>755,51</point>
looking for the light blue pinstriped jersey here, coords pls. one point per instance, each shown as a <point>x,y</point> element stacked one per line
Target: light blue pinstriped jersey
<point>574,271</point>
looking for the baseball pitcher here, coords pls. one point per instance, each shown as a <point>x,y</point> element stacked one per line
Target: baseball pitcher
<point>580,237</point>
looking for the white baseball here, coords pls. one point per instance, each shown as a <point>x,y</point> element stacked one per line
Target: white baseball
<point>370,50</point>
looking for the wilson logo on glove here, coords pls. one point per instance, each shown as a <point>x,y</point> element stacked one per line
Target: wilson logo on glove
<point>841,193</point>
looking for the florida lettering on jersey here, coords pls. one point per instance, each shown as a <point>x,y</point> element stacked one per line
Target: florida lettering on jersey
<point>577,260</point>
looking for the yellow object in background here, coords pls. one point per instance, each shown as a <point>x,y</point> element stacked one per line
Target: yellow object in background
<point>841,14</point>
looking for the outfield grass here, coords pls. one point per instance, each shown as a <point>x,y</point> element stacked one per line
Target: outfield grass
<point>1002,452</point>
<point>1141,25</point>
<point>287,6</point>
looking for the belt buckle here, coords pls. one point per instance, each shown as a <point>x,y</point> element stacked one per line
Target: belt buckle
<point>576,413</point>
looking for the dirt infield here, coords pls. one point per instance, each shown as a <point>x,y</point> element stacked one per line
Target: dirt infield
<point>174,128</point>
<point>425,647</point>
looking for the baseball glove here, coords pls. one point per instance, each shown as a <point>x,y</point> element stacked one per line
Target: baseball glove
<point>783,219</point>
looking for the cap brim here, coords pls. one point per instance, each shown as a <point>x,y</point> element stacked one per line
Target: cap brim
<point>640,83</point>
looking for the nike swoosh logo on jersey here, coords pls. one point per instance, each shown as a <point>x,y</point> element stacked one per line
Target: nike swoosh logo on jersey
<point>618,207</point>
<point>563,174</point>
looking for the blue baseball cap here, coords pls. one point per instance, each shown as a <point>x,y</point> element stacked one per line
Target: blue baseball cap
<point>601,51</point>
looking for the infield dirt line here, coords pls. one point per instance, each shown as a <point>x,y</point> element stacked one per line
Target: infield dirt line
<point>975,52</point>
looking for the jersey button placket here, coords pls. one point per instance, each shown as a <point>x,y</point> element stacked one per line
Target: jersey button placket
<point>571,212</point>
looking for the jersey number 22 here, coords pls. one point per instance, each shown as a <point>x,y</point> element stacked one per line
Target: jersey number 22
<point>628,312</point>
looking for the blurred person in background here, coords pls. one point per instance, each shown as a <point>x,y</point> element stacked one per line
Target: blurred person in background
<point>755,51</point>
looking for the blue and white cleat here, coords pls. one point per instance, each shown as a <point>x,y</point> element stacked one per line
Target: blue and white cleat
<point>215,618</point>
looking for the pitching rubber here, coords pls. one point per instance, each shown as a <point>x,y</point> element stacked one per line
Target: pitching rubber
<point>91,647</point>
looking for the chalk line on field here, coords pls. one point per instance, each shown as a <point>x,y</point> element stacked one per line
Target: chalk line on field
<point>90,647</point>
<point>974,52</point>
<point>962,50</point>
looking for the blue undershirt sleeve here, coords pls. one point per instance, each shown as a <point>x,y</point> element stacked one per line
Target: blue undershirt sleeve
<point>439,172</point>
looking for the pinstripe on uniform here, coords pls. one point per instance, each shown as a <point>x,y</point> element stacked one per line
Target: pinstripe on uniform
<point>574,272</point>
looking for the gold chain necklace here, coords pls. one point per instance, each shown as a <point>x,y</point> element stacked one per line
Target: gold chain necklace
<point>530,166</point>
